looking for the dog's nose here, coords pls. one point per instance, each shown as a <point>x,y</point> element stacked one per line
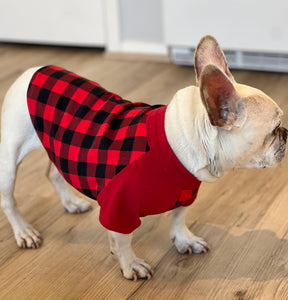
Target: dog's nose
<point>283,133</point>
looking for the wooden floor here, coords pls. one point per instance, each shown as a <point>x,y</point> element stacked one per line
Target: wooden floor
<point>243,216</point>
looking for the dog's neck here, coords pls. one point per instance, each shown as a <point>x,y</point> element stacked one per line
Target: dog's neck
<point>191,136</point>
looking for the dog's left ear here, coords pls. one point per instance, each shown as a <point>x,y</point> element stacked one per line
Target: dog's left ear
<point>224,105</point>
<point>208,52</point>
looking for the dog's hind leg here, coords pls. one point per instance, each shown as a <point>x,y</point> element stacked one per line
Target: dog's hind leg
<point>26,236</point>
<point>18,138</point>
<point>70,201</point>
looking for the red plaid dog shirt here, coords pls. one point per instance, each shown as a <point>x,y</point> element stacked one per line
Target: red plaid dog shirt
<point>108,148</point>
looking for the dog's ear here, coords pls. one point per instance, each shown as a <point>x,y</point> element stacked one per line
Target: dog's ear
<point>208,52</point>
<point>224,105</point>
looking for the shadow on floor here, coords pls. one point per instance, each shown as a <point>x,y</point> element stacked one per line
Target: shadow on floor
<point>259,255</point>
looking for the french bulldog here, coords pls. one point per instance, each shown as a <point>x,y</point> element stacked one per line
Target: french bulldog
<point>213,127</point>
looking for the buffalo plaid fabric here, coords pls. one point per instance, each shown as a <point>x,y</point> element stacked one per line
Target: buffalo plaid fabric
<point>89,133</point>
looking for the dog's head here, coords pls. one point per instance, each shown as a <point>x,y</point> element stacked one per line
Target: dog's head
<point>248,121</point>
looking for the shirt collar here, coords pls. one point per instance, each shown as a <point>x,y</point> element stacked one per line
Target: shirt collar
<point>165,155</point>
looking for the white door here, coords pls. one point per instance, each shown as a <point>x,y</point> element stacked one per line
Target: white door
<point>58,22</point>
<point>258,25</point>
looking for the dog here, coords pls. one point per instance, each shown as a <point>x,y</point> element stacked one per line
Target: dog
<point>165,151</point>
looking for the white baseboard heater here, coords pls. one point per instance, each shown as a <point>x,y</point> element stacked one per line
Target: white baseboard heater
<point>270,62</point>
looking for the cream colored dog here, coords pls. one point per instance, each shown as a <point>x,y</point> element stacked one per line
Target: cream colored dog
<point>212,127</point>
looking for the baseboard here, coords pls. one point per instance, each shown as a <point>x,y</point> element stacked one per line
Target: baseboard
<point>273,62</point>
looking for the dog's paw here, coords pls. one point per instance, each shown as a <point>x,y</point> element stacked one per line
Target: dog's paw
<point>137,269</point>
<point>77,205</point>
<point>187,243</point>
<point>28,237</point>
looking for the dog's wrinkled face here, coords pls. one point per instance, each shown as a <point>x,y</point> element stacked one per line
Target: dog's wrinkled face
<point>266,138</point>
<point>250,134</point>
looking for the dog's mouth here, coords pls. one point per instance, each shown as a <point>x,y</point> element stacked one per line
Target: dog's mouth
<point>282,134</point>
<point>280,153</point>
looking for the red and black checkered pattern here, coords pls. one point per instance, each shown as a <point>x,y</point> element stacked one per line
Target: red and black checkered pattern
<point>89,133</point>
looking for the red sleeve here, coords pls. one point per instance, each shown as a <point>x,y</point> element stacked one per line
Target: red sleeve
<point>187,197</point>
<point>118,213</point>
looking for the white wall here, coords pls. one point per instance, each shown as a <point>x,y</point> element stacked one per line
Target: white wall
<point>147,26</point>
<point>135,26</point>
<point>142,20</point>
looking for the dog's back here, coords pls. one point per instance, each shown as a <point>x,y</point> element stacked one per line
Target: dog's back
<point>90,134</point>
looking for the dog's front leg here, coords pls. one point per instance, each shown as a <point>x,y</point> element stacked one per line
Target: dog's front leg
<point>132,267</point>
<point>184,240</point>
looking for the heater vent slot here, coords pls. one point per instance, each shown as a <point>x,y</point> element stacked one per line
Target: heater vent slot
<point>273,62</point>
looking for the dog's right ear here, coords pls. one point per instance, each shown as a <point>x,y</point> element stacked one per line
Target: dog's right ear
<point>225,107</point>
<point>208,52</point>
